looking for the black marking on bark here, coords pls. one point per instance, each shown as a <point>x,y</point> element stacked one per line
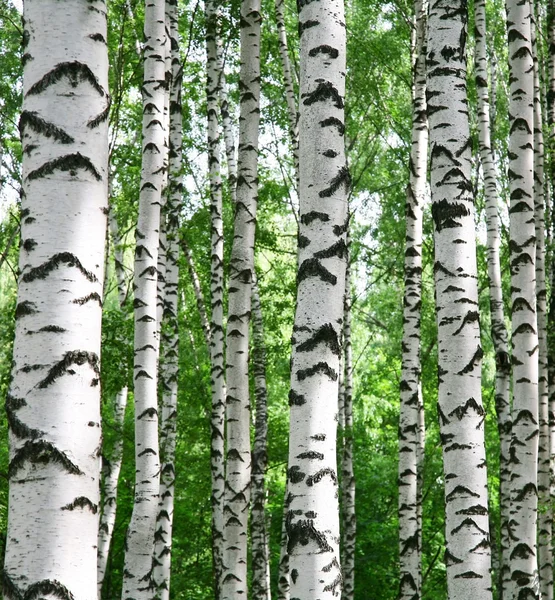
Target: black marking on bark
<point>151,147</point>
<point>92,297</point>
<point>447,215</point>
<point>524,328</point>
<point>26,58</point>
<point>338,249</point>
<point>17,427</point>
<point>528,490</point>
<point>294,575</point>
<point>81,502</point>
<point>471,316</point>
<point>142,373</point>
<point>97,37</point>
<point>468,522</point>
<point>307,25</point>
<point>75,71</point>
<point>32,120</point>
<point>233,454</point>
<point>148,451</point>
<point>29,245</point>
<point>462,411</point>
<point>319,437</point>
<point>312,455</point>
<point>521,304</point>
<point>330,153</point>
<point>472,363</point>
<point>324,49</point>
<point>70,162</point>
<point>520,124</point>
<point>335,586</point>
<point>43,453</point>
<point>461,491</point>
<point>307,218</point>
<point>477,509</point>
<point>321,367</point>
<point>303,241</point>
<point>319,475</point>
<point>468,575</point>
<point>451,559</point>
<point>42,271</point>
<point>325,335</point>
<point>524,415</point>
<point>323,92</point>
<point>311,267</point>
<point>333,122</point>
<point>72,357</point>
<point>296,475</point>
<point>296,399</point>
<point>25,308</point>
<point>522,551</point>
<point>343,177</point>
<point>302,532</point>
<point>100,118</point>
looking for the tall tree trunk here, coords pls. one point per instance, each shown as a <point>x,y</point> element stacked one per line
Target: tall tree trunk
<point>238,456</point>
<point>313,519</point>
<point>53,405</point>
<point>217,380</point>
<point>411,408</point>
<point>259,535</point>
<point>461,414</point>
<point>169,356</point>
<point>524,443</point>
<point>111,466</point>
<point>290,96</point>
<point>137,576</point>
<point>545,512</point>
<point>284,583</point>
<point>498,328</point>
<point>348,533</point>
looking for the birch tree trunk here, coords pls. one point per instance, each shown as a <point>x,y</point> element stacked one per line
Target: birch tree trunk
<point>217,380</point>
<point>524,443</point>
<point>545,512</point>
<point>313,519</point>
<point>498,328</point>
<point>169,357</point>
<point>411,398</point>
<point>53,405</point>
<point>137,576</point>
<point>461,415</point>
<point>238,455</point>
<point>259,535</point>
<point>348,475</point>
<point>111,467</point>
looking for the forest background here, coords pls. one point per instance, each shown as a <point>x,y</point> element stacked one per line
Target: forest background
<point>378,132</point>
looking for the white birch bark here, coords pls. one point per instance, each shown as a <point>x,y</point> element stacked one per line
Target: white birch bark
<point>524,443</point>
<point>111,466</point>
<point>216,346</point>
<point>259,535</point>
<point>238,455</point>
<point>169,355</point>
<point>461,414</point>
<point>348,532</point>
<point>313,515</point>
<point>137,577</point>
<point>292,111</point>
<point>53,405</point>
<point>545,512</point>
<point>499,332</point>
<point>411,408</point>
<point>284,584</point>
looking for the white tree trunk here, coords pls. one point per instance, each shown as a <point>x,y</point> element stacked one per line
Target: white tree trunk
<point>259,535</point>
<point>53,406</point>
<point>499,332</point>
<point>313,515</point>
<point>461,414</point>
<point>411,408</point>
<point>524,443</point>
<point>238,455</point>
<point>169,354</point>
<point>216,346</point>
<point>284,583</point>
<point>137,577</point>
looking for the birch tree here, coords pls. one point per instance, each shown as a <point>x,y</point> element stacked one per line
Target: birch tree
<point>137,581</point>
<point>498,328</point>
<point>524,443</point>
<point>217,375</point>
<point>238,454</point>
<point>461,414</point>
<point>411,398</point>
<point>313,520</point>
<point>53,405</point>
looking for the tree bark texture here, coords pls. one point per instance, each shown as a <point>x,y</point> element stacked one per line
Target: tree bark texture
<point>238,454</point>
<point>137,576</point>
<point>313,516</point>
<point>524,443</point>
<point>461,414</point>
<point>53,404</point>
<point>411,397</point>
